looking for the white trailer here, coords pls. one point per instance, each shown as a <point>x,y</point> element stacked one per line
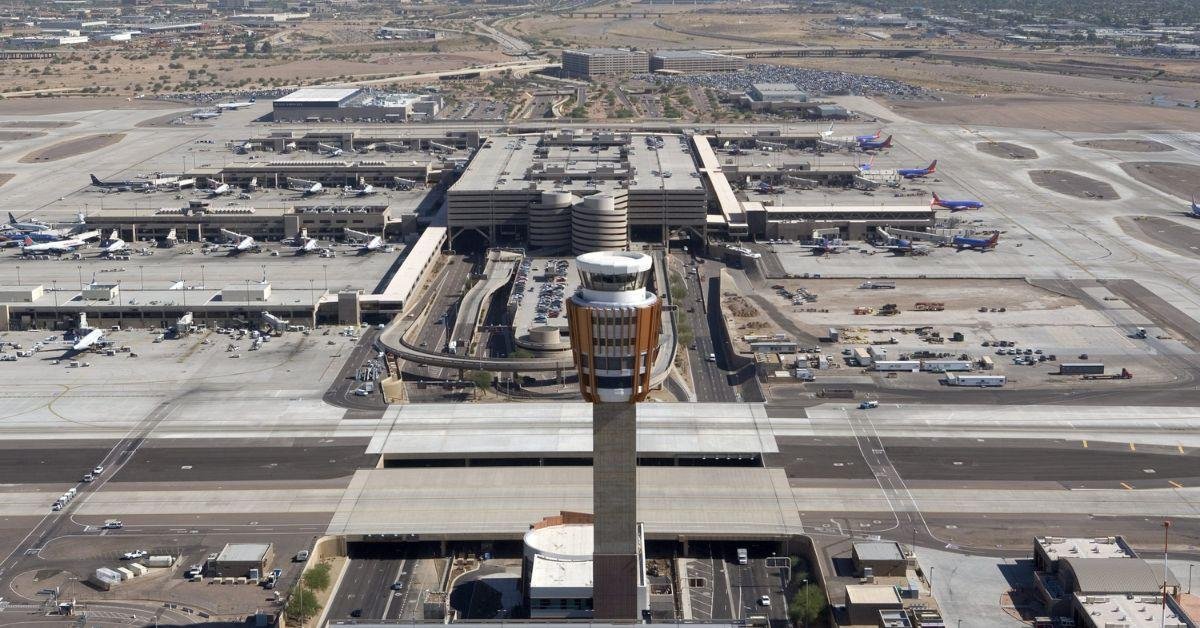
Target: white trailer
<point>945,366</point>
<point>981,381</point>
<point>911,366</point>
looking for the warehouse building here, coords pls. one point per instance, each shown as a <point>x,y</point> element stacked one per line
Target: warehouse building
<point>604,62</point>
<point>879,558</point>
<point>685,61</point>
<point>316,104</point>
<point>238,560</point>
<point>651,179</point>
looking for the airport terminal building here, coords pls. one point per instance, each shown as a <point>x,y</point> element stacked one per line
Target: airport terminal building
<point>649,183</point>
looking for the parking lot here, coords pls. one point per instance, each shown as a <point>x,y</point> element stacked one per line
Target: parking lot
<point>540,290</point>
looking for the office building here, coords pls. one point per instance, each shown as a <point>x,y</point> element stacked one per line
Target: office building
<point>592,62</point>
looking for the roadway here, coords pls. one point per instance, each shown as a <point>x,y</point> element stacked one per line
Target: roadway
<point>341,393</point>
<point>367,585</point>
<point>708,378</point>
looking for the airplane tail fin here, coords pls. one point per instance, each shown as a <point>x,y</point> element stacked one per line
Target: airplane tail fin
<point>13,219</point>
<point>936,200</point>
<point>994,239</point>
<point>95,181</point>
<point>113,235</point>
<point>878,133</point>
<point>888,142</point>
<point>28,241</point>
<point>932,166</point>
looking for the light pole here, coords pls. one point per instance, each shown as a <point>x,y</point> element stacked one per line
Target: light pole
<point>54,285</point>
<point>142,276</point>
<point>79,267</point>
<point>18,274</point>
<point>202,275</point>
<point>325,269</point>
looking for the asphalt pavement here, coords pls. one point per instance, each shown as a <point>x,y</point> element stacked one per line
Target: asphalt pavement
<point>367,586</point>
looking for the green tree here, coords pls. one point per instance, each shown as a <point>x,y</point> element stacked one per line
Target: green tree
<point>318,577</point>
<point>302,605</point>
<point>807,604</point>
<point>481,379</point>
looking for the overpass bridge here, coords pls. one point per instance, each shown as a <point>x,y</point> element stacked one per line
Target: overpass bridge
<point>822,51</point>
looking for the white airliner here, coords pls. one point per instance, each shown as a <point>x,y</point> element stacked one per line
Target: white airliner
<point>115,244</point>
<point>86,337</point>
<point>66,245</point>
<point>363,189</point>
<point>305,187</point>
<point>218,189</point>
<point>370,243</point>
<point>238,243</point>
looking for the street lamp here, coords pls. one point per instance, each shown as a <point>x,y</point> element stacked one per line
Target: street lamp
<point>18,274</point>
<point>142,275</point>
<point>325,269</point>
<point>79,267</point>
<point>202,275</point>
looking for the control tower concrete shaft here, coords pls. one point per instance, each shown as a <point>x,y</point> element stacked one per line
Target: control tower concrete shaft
<point>615,324</point>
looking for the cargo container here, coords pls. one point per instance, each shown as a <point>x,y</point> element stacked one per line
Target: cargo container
<point>160,561</point>
<point>105,578</point>
<point>943,366</point>
<point>137,569</point>
<point>911,366</point>
<point>126,574</point>
<point>975,380</point>
<point>861,356</point>
<point>1081,368</point>
<point>986,363</point>
<point>877,353</point>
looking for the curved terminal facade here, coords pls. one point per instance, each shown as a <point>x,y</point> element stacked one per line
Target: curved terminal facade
<point>599,223</point>
<point>550,220</point>
<point>614,325</point>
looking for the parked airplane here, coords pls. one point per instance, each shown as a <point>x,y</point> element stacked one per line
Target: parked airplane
<point>27,226</point>
<point>58,247</point>
<point>369,243</point>
<point>875,144</point>
<point>304,186</point>
<point>217,188</point>
<point>978,244</point>
<point>115,244</point>
<point>917,173</point>
<point>229,106</point>
<point>954,205</point>
<point>85,336</point>
<point>766,188</point>
<point>331,151</point>
<point>824,246</point>
<point>238,243</point>
<point>363,189</point>
<point>126,185</point>
<point>306,245</point>
<point>171,239</point>
<point>900,246</point>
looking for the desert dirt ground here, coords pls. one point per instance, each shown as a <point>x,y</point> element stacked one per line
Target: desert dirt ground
<point>1007,150</point>
<point>1129,146</point>
<point>1073,184</point>
<point>10,136</point>
<point>46,106</point>
<point>1181,180</point>
<point>72,147</point>
<point>1058,114</point>
<point>5,177</point>
<point>35,124</point>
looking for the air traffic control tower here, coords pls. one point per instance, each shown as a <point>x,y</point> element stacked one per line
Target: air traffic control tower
<point>614,324</point>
